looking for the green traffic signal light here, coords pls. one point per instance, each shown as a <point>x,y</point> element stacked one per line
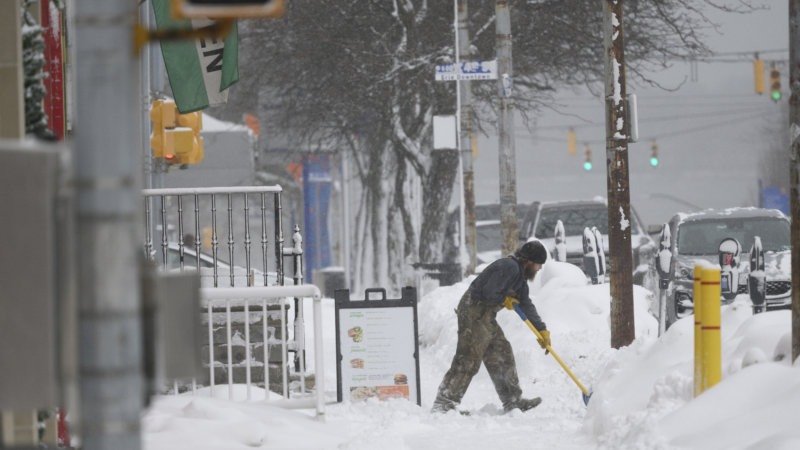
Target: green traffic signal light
<point>653,162</point>
<point>776,95</point>
<point>587,165</point>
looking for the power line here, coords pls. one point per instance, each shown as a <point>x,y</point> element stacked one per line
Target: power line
<point>705,114</point>
<point>657,137</point>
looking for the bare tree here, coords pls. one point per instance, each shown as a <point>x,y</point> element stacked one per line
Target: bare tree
<point>358,76</point>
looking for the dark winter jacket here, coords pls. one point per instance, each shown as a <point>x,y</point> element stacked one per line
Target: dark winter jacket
<point>502,277</point>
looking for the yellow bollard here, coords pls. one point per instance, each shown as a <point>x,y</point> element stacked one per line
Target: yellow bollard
<point>698,336</point>
<point>712,343</point>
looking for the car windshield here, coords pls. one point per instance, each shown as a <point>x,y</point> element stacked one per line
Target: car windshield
<point>492,212</point>
<point>488,236</point>
<point>703,237</point>
<point>575,219</point>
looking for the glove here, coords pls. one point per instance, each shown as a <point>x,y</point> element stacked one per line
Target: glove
<point>545,340</point>
<point>509,303</point>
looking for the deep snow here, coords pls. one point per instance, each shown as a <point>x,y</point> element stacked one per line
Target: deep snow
<point>642,394</point>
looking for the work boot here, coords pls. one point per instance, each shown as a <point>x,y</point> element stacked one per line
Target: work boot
<point>443,405</point>
<point>522,404</point>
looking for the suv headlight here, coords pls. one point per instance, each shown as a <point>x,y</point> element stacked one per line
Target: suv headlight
<point>684,273</point>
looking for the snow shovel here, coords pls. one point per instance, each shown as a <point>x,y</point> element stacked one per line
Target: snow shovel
<point>512,303</point>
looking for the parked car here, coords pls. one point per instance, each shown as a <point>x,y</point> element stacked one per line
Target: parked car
<point>487,230</point>
<point>696,238</point>
<point>540,222</point>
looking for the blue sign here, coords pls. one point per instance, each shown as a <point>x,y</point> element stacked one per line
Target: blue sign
<point>775,198</point>
<point>469,70</point>
<point>316,197</point>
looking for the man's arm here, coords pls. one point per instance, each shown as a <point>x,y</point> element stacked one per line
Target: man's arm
<point>527,307</point>
<point>494,290</point>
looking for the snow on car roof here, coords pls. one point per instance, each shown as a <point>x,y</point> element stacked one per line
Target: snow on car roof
<point>741,212</point>
<point>594,201</point>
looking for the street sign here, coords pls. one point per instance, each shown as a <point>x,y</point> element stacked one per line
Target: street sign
<point>470,70</point>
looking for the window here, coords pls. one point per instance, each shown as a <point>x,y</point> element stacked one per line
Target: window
<point>488,236</point>
<point>702,237</point>
<point>575,219</point>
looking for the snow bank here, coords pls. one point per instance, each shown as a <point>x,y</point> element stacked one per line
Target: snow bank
<point>197,423</point>
<point>644,398</point>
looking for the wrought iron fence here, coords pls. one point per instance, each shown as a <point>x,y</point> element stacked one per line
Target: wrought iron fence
<point>169,216</point>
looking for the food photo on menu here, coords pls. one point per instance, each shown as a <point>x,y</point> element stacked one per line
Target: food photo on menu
<point>356,333</point>
<point>357,363</point>
<point>400,379</point>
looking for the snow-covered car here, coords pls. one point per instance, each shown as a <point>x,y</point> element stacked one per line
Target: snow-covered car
<point>695,239</point>
<point>540,222</point>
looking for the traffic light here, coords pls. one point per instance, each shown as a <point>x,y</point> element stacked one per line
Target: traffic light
<point>775,83</point>
<point>227,9</point>
<point>163,117</point>
<point>587,158</point>
<point>176,137</point>
<point>571,142</point>
<point>654,154</point>
<point>758,71</point>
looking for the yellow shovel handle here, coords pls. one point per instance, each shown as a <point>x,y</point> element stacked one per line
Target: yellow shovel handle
<point>564,366</point>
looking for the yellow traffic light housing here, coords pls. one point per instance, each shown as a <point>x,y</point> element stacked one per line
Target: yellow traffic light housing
<point>227,9</point>
<point>775,83</point>
<point>571,142</point>
<point>758,71</point>
<point>176,137</point>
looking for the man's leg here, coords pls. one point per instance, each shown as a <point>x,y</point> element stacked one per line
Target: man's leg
<point>499,361</point>
<point>473,338</point>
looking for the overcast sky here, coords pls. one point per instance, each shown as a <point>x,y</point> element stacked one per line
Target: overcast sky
<point>709,158</point>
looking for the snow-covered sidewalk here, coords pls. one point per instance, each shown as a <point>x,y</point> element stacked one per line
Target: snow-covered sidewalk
<point>643,393</point>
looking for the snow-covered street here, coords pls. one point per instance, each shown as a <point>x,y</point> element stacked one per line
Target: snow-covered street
<point>642,394</point>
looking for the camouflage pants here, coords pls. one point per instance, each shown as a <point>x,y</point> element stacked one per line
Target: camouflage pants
<point>480,338</point>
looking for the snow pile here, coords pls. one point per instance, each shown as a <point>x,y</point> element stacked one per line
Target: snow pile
<point>644,398</point>
<point>197,423</point>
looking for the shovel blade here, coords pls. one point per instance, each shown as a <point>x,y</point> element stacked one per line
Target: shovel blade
<point>586,398</point>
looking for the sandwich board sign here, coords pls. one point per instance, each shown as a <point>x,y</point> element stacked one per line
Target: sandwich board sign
<point>468,70</point>
<point>377,347</point>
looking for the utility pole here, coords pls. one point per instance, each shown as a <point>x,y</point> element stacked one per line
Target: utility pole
<point>619,199</point>
<point>794,170</point>
<point>108,211</point>
<point>505,128</point>
<point>466,139</point>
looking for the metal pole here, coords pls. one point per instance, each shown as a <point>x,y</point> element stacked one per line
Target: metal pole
<point>619,201</point>
<point>794,175</point>
<point>107,169</point>
<point>462,229</point>
<point>144,61</point>
<point>466,139</point>
<point>505,129</point>
<point>346,211</point>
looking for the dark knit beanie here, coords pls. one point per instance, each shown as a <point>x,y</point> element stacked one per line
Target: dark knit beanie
<point>533,251</point>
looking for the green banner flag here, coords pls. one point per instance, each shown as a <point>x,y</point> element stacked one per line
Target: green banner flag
<point>200,71</point>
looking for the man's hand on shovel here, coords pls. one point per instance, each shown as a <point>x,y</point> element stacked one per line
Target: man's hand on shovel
<point>544,341</point>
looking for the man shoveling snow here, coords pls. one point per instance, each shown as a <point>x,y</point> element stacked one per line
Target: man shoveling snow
<point>480,338</point>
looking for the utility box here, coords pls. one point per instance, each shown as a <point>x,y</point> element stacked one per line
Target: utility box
<point>29,183</point>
